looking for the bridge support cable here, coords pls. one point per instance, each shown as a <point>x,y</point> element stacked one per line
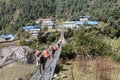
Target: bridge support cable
<point>62,37</point>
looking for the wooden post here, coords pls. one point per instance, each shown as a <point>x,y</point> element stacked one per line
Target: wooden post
<point>72,73</point>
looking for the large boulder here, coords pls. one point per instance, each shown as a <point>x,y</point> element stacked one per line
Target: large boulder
<point>15,53</point>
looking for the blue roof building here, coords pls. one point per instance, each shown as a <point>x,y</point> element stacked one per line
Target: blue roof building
<point>79,22</point>
<point>9,37</point>
<point>33,30</point>
<point>92,23</point>
<point>30,27</point>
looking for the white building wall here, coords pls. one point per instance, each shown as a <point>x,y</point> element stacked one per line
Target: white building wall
<point>69,24</point>
<point>34,30</point>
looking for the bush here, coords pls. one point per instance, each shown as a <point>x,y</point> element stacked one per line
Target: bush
<point>87,44</point>
<point>25,43</point>
<point>58,68</point>
<point>41,38</point>
<point>67,51</point>
<point>22,34</point>
<point>51,38</point>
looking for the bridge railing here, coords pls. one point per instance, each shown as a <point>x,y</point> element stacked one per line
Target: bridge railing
<point>49,71</point>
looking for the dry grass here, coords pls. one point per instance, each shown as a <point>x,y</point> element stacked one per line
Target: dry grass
<point>16,70</point>
<point>81,69</point>
<point>97,69</point>
<point>103,68</point>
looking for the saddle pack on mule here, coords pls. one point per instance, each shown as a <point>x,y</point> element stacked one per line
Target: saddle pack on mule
<point>46,54</point>
<point>54,48</point>
<point>38,53</point>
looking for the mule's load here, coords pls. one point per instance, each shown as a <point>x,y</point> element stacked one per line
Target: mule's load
<point>54,48</point>
<point>37,53</point>
<point>46,54</point>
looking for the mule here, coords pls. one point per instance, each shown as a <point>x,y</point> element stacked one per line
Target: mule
<point>53,49</point>
<point>41,59</point>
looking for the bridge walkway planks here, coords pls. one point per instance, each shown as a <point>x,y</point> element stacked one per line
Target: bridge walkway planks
<point>49,70</point>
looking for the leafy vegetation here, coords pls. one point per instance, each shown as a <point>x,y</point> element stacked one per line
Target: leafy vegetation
<point>22,34</point>
<point>18,13</point>
<point>102,40</point>
<point>43,39</point>
<point>86,43</point>
<point>48,37</point>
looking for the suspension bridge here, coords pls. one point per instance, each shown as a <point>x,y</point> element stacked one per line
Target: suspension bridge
<point>48,73</point>
<point>49,69</point>
<point>50,66</point>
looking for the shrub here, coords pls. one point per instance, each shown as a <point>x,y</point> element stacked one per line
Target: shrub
<point>87,44</point>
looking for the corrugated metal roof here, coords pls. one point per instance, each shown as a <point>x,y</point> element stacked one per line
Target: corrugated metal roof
<point>79,22</point>
<point>7,36</point>
<point>92,22</point>
<point>10,36</point>
<point>31,27</point>
<point>89,22</point>
<point>70,22</point>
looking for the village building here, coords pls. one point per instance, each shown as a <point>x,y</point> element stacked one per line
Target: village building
<point>70,24</point>
<point>43,20</point>
<point>47,22</point>
<point>92,22</point>
<point>76,24</point>
<point>33,30</point>
<point>9,37</point>
<point>79,23</point>
<point>84,18</point>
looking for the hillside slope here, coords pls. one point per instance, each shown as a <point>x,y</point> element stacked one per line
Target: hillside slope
<point>17,13</point>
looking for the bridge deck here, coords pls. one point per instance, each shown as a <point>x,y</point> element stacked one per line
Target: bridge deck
<point>49,70</point>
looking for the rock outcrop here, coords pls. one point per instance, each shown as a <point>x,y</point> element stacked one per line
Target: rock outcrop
<point>13,53</point>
